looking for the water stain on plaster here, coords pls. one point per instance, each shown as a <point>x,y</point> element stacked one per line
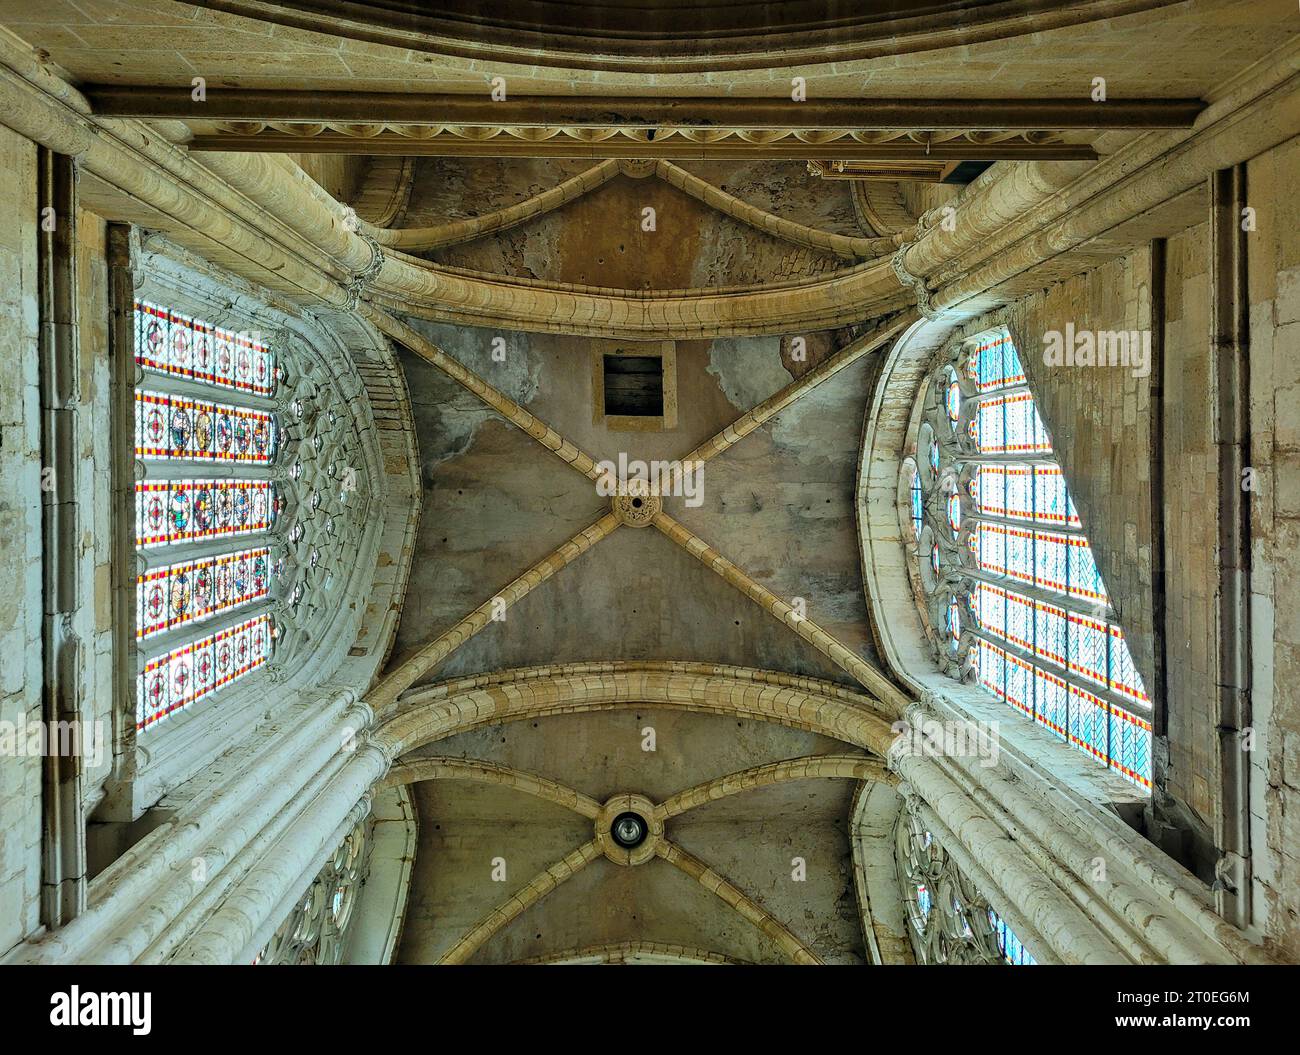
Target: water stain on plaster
<point>450,415</point>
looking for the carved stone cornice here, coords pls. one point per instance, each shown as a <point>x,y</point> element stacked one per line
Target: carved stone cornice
<point>367,113</point>
<point>915,145</point>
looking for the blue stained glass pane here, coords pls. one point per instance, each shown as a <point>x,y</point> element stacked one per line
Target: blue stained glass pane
<point>1013,369</point>
<point>1072,514</point>
<point>992,602</point>
<point>1020,554</point>
<point>1050,632</point>
<point>1020,685</point>
<point>1051,703</point>
<point>987,370</point>
<point>1019,491</point>
<point>1042,444</point>
<point>1049,495</point>
<point>992,490</point>
<point>993,548</point>
<point>996,365</point>
<point>1087,641</point>
<point>1130,747</point>
<point>1020,621</point>
<point>1124,678</point>
<point>993,661</point>
<point>1049,560</point>
<point>1085,579</point>
<point>989,430</point>
<point>1089,723</point>
<point>1020,415</point>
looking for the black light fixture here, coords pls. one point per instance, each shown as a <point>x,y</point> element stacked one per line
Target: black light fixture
<point>629,830</point>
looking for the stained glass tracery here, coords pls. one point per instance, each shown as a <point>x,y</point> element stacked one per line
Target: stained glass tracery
<point>951,922</point>
<point>1042,632</point>
<point>249,500</point>
<point>180,427</point>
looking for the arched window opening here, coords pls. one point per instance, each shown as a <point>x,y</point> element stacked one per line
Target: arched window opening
<point>248,498</point>
<point>949,920</point>
<point>1016,603</point>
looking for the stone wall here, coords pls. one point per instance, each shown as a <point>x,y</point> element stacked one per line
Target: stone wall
<point>20,538</point>
<point>96,438</point>
<point>1273,265</point>
<point>1191,500</point>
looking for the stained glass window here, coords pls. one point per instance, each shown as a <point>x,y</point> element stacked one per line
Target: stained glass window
<point>1008,944</point>
<point>1045,640</point>
<point>172,512</point>
<point>192,671</point>
<point>172,343</point>
<point>177,427</point>
<point>202,524</point>
<point>176,595</point>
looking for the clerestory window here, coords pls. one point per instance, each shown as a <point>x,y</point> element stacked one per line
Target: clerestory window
<point>247,499</point>
<point>1016,603</point>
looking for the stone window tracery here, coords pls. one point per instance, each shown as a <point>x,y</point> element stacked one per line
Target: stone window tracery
<point>316,931</point>
<point>949,920</point>
<point>248,498</point>
<point>1014,599</point>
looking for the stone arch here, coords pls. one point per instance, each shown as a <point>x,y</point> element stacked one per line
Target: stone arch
<point>426,714</point>
<point>624,952</point>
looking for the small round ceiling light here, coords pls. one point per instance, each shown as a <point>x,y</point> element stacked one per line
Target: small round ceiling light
<point>629,830</point>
